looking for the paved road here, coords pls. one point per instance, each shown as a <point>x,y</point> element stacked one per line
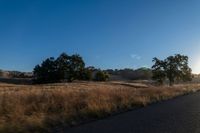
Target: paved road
<point>181,115</point>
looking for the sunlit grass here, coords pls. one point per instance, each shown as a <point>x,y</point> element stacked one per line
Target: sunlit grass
<point>41,108</point>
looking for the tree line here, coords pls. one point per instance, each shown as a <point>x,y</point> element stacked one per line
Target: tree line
<point>72,67</point>
<point>66,68</point>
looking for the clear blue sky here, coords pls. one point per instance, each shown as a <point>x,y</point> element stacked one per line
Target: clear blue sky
<point>107,33</point>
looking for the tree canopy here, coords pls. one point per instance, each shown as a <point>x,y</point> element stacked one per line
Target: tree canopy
<point>174,68</point>
<point>65,67</point>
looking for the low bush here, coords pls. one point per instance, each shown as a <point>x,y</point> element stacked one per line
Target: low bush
<point>101,76</point>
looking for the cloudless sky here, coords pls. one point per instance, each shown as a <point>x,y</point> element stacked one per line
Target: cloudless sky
<point>106,33</point>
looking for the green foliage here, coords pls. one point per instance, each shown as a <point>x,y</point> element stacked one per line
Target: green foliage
<point>101,76</point>
<point>86,74</point>
<point>63,62</point>
<point>65,67</point>
<point>174,68</point>
<point>76,67</point>
<point>158,70</point>
<point>70,67</point>
<point>46,72</point>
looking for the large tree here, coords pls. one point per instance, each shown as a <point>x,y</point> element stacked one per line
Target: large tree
<point>174,68</point>
<point>76,67</point>
<point>63,62</point>
<point>65,67</point>
<point>46,72</point>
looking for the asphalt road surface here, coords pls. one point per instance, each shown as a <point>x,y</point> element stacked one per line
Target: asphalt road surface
<point>180,115</point>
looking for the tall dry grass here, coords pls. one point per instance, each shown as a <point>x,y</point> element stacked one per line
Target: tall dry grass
<point>42,108</point>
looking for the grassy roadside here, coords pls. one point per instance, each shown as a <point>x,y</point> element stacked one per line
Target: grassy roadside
<point>25,109</point>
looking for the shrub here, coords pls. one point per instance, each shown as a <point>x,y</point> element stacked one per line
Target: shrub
<point>86,74</point>
<point>101,76</point>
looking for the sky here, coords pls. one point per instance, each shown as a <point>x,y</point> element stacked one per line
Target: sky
<point>106,33</point>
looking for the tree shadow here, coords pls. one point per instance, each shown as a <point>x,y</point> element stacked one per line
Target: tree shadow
<point>17,81</point>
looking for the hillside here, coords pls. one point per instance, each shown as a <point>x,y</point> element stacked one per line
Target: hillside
<point>15,74</point>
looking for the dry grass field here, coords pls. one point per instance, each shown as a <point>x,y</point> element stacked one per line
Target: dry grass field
<point>42,108</point>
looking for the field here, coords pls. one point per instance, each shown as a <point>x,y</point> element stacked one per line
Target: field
<point>46,108</point>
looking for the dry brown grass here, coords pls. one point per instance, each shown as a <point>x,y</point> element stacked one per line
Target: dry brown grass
<point>41,108</point>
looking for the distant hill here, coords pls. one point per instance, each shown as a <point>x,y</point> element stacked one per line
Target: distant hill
<point>15,74</point>
<point>130,74</point>
<point>16,77</point>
